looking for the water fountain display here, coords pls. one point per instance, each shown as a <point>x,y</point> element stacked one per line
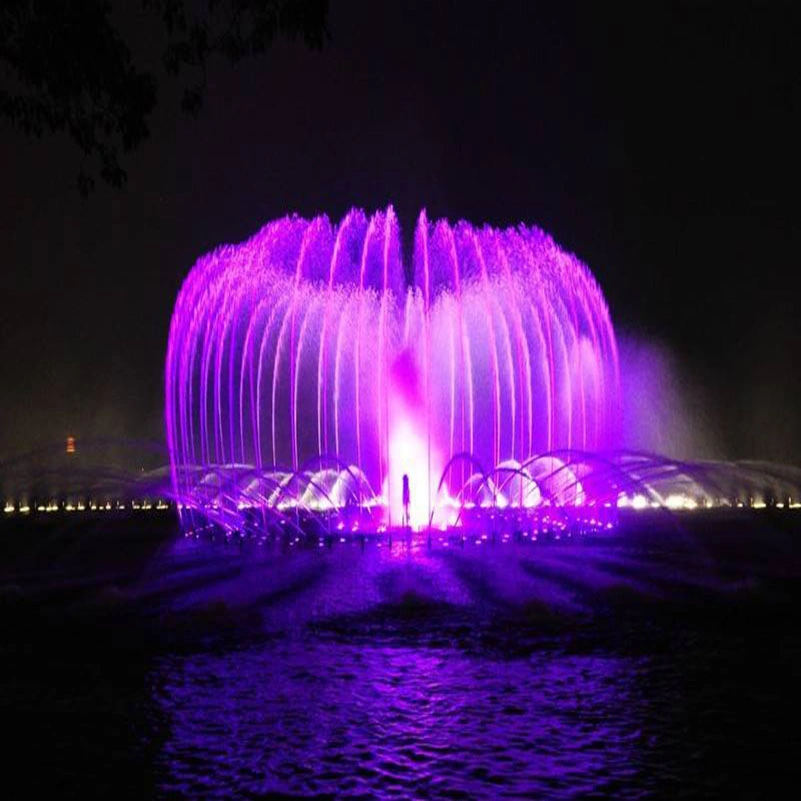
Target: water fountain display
<point>312,367</point>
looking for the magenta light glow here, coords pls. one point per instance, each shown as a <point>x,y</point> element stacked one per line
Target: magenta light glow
<point>309,366</point>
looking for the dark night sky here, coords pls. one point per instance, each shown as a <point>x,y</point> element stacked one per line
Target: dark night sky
<point>660,146</point>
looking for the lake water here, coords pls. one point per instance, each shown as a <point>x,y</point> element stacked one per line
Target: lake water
<point>653,664</point>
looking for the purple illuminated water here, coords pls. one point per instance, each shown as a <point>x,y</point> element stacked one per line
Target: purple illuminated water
<point>659,663</point>
<point>314,349</point>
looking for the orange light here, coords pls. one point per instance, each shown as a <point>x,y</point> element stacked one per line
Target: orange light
<point>70,444</point>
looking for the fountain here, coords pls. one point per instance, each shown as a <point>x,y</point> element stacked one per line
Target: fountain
<point>310,368</point>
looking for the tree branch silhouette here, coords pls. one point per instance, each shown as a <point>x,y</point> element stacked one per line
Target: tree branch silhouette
<point>65,66</point>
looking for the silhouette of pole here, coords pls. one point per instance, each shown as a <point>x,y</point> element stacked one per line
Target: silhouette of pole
<point>407,499</point>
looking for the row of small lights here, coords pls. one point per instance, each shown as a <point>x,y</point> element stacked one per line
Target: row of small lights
<point>483,539</point>
<point>636,502</point>
<point>680,502</point>
<point>24,508</point>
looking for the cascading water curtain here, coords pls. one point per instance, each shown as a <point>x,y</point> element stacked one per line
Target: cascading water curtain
<point>305,366</point>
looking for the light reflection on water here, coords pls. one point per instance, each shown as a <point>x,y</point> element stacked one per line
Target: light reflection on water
<point>624,669</point>
<point>309,717</point>
<point>406,673</point>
